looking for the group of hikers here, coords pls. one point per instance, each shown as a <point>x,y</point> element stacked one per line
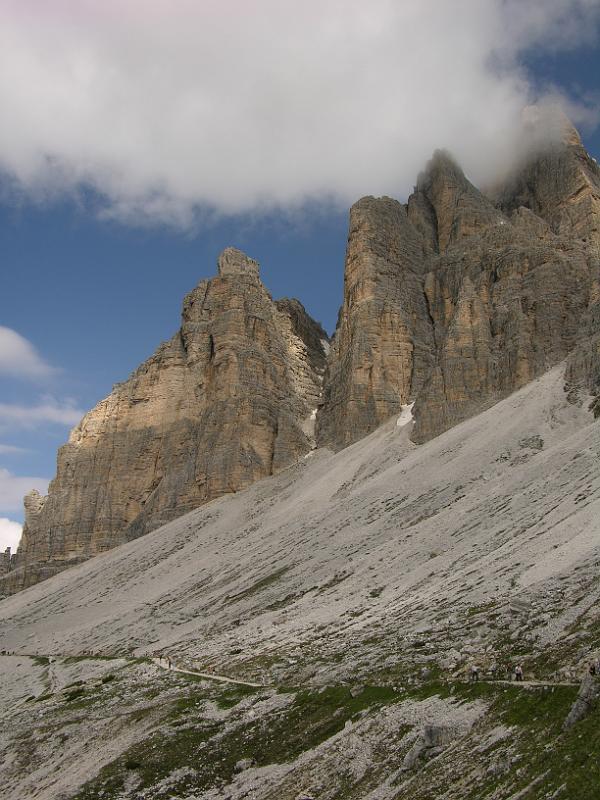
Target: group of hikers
<point>512,673</point>
<point>516,672</point>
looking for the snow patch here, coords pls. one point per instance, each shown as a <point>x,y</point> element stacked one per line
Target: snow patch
<point>406,415</point>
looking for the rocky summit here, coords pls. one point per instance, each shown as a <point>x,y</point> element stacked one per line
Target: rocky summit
<point>454,300</point>
<point>228,400</point>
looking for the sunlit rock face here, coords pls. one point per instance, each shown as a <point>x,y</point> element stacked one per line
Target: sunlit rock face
<point>220,405</point>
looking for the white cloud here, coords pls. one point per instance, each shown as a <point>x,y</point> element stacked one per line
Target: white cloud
<point>10,534</point>
<point>13,489</point>
<point>167,108</point>
<point>11,449</point>
<point>49,411</point>
<point>19,357</point>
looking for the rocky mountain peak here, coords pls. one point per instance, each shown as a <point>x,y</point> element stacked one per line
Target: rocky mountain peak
<point>457,299</point>
<point>234,262</point>
<point>220,405</point>
<point>548,125</point>
<point>460,208</point>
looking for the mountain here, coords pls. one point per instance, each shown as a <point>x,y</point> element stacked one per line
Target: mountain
<point>451,302</point>
<point>455,300</point>
<point>227,401</point>
<point>334,538</point>
<point>357,589</point>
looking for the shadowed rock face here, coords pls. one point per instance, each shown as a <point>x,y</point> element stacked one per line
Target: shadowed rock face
<point>383,347</point>
<point>455,300</point>
<point>220,405</point>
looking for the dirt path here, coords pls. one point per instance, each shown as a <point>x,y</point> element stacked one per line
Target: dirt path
<point>160,662</point>
<point>524,684</point>
<point>164,664</point>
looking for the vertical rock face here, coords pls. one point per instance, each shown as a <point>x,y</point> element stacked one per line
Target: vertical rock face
<point>457,299</point>
<point>383,345</point>
<point>505,310</point>
<point>220,405</point>
<point>561,184</point>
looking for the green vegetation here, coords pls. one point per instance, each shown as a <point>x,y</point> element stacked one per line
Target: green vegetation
<point>200,750</point>
<point>310,718</point>
<point>257,587</point>
<point>74,694</point>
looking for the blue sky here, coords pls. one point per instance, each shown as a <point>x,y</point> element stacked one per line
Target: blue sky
<point>94,269</point>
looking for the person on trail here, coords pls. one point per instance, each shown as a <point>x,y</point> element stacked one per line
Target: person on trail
<point>169,662</point>
<point>474,673</point>
<point>592,668</point>
<point>509,672</point>
<point>518,673</point>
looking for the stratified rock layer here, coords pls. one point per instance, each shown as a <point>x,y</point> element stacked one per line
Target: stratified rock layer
<point>220,405</point>
<point>455,299</point>
<point>383,347</point>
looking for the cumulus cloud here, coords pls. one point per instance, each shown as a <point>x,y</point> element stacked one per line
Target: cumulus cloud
<point>18,357</point>
<point>173,110</point>
<point>49,411</point>
<point>13,489</point>
<point>10,534</point>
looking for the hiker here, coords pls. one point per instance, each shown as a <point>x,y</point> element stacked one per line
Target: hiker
<point>169,662</point>
<point>518,673</point>
<point>509,672</point>
<point>474,673</point>
<point>592,668</point>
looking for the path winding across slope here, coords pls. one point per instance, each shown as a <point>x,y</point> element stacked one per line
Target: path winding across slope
<point>163,663</point>
<point>170,666</point>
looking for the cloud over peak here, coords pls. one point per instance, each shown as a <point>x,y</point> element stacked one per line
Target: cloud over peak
<point>169,109</point>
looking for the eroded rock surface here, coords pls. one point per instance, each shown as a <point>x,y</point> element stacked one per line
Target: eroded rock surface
<point>456,299</point>
<point>383,347</point>
<point>220,405</point>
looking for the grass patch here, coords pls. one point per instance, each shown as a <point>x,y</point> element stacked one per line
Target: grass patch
<point>74,694</point>
<point>42,661</point>
<point>280,736</point>
<point>257,587</point>
<point>231,697</point>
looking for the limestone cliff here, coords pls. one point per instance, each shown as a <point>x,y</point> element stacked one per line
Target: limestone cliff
<point>223,403</point>
<point>383,347</point>
<point>456,299</point>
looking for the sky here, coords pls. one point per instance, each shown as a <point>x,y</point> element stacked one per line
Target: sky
<point>139,139</point>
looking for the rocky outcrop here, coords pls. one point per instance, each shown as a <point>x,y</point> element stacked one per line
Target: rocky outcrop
<point>505,310</point>
<point>560,182</point>
<point>5,561</point>
<point>456,299</point>
<point>586,701</point>
<point>223,403</point>
<point>383,347</point>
